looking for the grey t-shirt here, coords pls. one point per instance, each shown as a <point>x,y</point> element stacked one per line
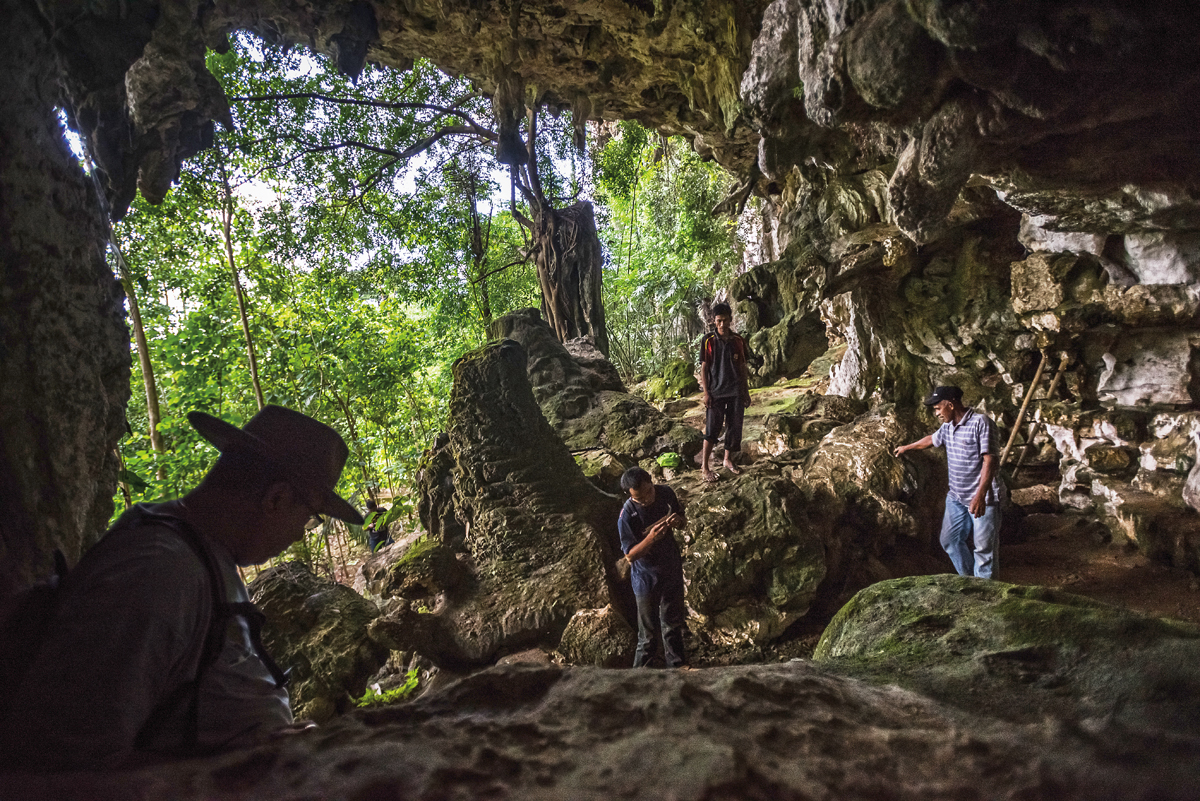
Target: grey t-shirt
<point>128,633</point>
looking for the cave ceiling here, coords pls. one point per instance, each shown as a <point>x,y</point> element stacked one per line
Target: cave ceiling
<point>1078,112</point>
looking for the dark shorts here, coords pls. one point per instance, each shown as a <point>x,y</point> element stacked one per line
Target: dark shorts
<point>727,413</point>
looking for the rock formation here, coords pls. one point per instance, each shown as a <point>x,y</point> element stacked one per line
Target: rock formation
<point>951,190</point>
<point>318,630</point>
<point>1019,653</point>
<point>794,730</point>
<point>909,153</point>
<point>585,401</point>
<point>537,539</point>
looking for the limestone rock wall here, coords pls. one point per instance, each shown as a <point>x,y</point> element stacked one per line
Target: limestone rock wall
<point>64,347</point>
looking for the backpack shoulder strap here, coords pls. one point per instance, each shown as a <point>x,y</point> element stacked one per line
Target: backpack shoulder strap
<point>214,639</point>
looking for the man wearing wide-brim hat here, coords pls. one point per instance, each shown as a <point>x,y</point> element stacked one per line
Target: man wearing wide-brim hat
<point>154,649</point>
<point>974,502</point>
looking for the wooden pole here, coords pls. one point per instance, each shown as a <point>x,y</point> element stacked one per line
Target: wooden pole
<point>1037,378</point>
<point>1037,424</point>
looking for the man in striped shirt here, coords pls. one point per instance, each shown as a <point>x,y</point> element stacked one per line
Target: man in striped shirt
<point>974,503</point>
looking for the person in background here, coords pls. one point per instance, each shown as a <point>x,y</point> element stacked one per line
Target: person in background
<point>377,534</point>
<point>971,523</point>
<point>646,526</point>
<point>725,384</point>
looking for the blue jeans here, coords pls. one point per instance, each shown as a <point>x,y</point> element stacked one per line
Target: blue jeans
<point>960,531</point>
<point>661,613</point>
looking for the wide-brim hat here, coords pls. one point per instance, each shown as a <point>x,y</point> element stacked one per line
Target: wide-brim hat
<point>308,452</point>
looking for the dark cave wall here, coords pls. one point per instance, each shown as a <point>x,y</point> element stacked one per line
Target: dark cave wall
<point>64,352</point>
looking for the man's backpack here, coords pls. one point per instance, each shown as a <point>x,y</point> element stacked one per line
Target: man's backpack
<point>26,619</point>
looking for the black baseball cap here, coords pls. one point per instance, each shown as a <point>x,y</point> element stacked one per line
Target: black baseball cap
<point>944,393</point>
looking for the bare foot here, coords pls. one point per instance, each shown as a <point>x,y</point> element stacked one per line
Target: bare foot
<point>709,476</point>
<point>733,469</point>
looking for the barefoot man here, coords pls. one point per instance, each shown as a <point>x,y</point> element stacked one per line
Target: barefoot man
<point>726,389</point>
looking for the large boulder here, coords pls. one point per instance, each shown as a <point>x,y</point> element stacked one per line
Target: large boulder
<point>318,628</point>
<point>584,400</point>
<point>519,539</point>
<point>599,637</point>
<point>754,555</point>
<point>797,536</point>
<point>796,730</point>
<point>1019,653</point>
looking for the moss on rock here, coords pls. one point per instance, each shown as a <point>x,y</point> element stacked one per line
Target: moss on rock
<point>1018,652</point>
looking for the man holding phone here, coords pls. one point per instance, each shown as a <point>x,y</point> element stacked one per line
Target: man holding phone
<point>646,527</point>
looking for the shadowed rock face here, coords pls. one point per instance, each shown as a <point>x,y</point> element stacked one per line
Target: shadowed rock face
<point>64,346</point>
<point>760,732</point>
<point>948,89</point>
<point>1071,109</point>
<point>318,629</point>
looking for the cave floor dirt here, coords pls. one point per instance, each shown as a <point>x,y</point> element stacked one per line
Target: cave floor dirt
<point>1061,551</point>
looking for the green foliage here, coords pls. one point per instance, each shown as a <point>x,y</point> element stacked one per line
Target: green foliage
<point>392,696</point>
<point>667,251</point>
<point>372,254</point>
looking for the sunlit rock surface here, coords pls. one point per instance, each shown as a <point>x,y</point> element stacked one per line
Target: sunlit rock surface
<point>584,400</point>
<point>794,730</point>
<point>317,629</point>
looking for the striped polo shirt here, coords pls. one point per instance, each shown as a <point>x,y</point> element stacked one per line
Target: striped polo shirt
<point>966,444</point>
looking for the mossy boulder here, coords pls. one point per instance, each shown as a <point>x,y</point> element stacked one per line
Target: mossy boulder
<point>1018,652</point>
<point>806,420</point>
<point>425,568</point>
<point>318,628</point>
<point>678,378</point>
<point>603,468</point>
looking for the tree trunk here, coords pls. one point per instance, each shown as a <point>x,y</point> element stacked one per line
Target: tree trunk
<point>143,348</point>
<point>352,427</point>
<point>569,260</point>
<point>479,259</point>
<point>227,228</point>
